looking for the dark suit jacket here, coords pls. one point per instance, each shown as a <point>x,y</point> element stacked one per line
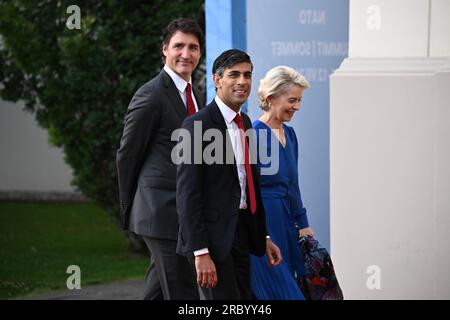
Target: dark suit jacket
<point>208,197</point>
<point>145,170</point>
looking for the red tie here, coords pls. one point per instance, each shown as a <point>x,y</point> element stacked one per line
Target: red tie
<point>189,101</point>
<point>248,169</point>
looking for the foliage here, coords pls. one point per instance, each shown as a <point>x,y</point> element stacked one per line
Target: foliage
<point>38,241</point>
<point>78,83</point>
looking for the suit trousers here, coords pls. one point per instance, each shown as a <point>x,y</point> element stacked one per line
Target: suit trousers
<point>233,274</point>
<point>170,276</point>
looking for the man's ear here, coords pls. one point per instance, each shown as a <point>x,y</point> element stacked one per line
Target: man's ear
<point>164,50</point>
<point>216,79</point>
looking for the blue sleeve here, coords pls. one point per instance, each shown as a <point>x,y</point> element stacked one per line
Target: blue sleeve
<point>298,210</point>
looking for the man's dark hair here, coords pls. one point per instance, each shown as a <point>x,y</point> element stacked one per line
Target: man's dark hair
<point>228,59</point>
<point>186,26</point>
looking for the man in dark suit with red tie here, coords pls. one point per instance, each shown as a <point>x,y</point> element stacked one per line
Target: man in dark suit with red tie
<point>220,210</point>
<point>147,174</point>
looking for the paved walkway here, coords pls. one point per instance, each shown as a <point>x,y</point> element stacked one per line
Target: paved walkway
<point>124,290</point>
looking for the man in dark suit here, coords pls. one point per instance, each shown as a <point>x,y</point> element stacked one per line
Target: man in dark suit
<point>221,214</point>
<point>147,174</point>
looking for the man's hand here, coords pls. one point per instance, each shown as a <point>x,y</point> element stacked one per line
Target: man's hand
<point>206,271</point>
<point>306,232</point>
<point>273,253</point>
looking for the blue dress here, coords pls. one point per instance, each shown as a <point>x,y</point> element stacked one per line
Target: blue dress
<point>284,211</point>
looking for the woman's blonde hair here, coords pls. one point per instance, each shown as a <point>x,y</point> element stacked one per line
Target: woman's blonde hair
<point>276,81</point>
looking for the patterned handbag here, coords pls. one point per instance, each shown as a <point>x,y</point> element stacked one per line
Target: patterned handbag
<point>319,281</point>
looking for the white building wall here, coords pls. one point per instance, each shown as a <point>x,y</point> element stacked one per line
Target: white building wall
<point>390,154</point>
<point>27,162</point>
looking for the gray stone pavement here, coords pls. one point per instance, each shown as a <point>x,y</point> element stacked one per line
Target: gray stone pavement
<point>123,290</point>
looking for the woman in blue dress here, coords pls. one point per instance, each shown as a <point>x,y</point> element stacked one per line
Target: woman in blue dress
<point>280,93</point>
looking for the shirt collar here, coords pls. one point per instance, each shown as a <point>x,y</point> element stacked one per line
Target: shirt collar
<point>180,83</point>
<point>227,113</point>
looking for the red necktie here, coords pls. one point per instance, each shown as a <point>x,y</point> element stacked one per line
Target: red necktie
<point>248,169</point>
<point>189,100</point>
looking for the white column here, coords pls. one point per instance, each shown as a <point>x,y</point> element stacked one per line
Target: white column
<point>441,185</point>
<point>390,153</point>
<point>440,28</point>
<point>388,28</point>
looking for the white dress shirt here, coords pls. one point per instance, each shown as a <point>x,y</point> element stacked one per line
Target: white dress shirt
<point>236,142</point>
<point>181,85</point>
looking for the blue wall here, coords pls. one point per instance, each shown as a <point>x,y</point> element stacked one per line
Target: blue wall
<point>225,29</point>
<point>310,36</point>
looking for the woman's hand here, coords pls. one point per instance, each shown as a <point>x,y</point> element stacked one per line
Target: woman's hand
<point>306,232</point>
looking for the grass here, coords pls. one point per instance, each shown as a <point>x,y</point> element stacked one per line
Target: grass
<point>38,241</point>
